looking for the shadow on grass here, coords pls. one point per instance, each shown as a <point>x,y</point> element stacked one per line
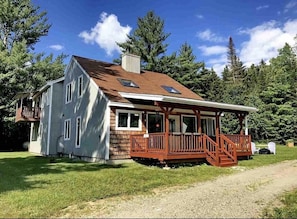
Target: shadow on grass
<point>15,171</point>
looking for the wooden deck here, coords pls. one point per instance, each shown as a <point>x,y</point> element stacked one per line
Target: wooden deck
<point>191,146</point>
<point>27,114</point>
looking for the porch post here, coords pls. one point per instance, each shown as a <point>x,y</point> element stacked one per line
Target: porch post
<point>166,110</point>
<point>218,148</point>
<point>241,117</point>
<point>198,116</point>
<point>246,126</point>
<point>166,133</point>
<point>218,127</point>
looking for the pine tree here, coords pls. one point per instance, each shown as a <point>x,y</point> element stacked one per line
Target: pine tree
<point>21,27</point>
<point>235,71</point>
<point>186,68</point>
<point>147,41</point>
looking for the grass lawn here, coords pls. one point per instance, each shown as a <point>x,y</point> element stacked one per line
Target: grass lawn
<point>32,186</point>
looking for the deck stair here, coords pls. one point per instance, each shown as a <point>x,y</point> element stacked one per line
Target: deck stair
<point>226,161</point>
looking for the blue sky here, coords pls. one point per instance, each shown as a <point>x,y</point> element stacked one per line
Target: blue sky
<point>90,28</point>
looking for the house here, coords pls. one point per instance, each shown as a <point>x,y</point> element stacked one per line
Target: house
<point>101,111</point>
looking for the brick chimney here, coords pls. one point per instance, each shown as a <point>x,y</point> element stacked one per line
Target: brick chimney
<point>131,63</point>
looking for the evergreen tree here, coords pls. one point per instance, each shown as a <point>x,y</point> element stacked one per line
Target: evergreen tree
<point>147,41</point>
<point>186,68</point>
<point>22,25</point>
<point>209,85</point>
<point>235,72</point>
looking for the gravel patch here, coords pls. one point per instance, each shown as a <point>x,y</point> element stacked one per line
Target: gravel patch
<point>241,195</point>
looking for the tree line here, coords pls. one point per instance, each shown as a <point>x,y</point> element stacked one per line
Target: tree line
<point>270,88</point>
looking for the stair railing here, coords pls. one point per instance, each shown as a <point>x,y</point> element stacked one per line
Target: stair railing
<point>228,147</point>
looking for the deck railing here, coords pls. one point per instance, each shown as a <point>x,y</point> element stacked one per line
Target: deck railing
<point>242,142</point>
<point>211,149</point>
<point>185,143</point>
<point>31,112</point>
<point>228,147</point>
<point>178,143</point>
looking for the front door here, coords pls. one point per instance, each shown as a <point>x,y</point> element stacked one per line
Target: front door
<point>155,123</point>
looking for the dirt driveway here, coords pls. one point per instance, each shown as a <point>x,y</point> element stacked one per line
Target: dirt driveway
<point>240,195</point>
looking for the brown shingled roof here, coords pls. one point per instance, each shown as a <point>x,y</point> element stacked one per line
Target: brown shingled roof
<point>106,76</point>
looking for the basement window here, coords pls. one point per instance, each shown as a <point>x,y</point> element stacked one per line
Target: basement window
<point>170,89</point>
<point>127,83</point>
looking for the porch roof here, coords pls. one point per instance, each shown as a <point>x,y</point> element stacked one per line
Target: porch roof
<point>192,102</point>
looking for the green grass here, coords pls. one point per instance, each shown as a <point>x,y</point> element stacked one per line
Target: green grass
<point>288,208</point>
<point>282,153</point>
<point>32,186</point>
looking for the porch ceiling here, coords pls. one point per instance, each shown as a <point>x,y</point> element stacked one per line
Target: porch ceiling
<point>215,106</point>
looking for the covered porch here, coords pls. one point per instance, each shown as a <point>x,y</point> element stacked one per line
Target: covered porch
<point>217,149</point>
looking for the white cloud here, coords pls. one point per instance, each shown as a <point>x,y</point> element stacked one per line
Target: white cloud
<point>261,7</point>
<point>200,16</point>
<point>106,33</point>
<point>218,64</point>
<point>207,35</point>
<point>265,40</point>
<point>56,47</point>
<point>213,50</point>
<point>290,5</point>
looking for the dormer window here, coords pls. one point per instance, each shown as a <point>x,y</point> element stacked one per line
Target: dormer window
<point>127,83</point>
<point>170,89</point>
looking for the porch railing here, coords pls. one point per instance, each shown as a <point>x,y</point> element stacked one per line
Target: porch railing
<point>31,112</point>
<point>228,147</point>
<point>242,142</point>
<point>185,143</point>
<point>178,143</point>
<point>211,149</point>
<point>181,143</point>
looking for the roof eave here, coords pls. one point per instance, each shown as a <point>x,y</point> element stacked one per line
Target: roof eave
<point>187,101</point>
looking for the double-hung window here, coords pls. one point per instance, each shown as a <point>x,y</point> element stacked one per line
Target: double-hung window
<point>69,92</point>
<point>80,86</point>
<point>67,129</point>
<point>128,120</point>
<point>78,132</point>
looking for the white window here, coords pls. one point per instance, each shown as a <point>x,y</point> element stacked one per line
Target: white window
<point>69,93</point>
<point>128,120</point>
<point>78,132</point>
<point>189,124</point>
<point>80,86</point>
<point>67,129</point>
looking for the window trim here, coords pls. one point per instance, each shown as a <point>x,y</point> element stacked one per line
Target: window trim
<point>128,128</point>
<point>80,81</point>
<point>182,122</point>
<point>67,129</point>
<point>68,96</point>
<point>77,132</point>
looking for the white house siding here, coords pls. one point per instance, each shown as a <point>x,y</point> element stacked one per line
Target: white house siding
<point>91,107</point>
